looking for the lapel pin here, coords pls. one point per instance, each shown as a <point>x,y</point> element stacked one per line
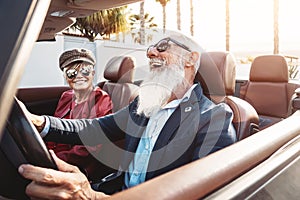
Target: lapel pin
<point>188,109</point>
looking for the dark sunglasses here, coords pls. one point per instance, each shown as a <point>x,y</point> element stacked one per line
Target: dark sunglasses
<point>163,45</point>
<point>72,72</point>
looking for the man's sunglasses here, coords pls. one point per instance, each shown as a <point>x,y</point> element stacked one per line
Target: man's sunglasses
<point>164,44</point>
<point>72,72</point>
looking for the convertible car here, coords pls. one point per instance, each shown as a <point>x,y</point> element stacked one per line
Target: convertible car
<point>263,164</point>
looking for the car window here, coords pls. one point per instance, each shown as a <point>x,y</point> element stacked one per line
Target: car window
<point>16,41</point>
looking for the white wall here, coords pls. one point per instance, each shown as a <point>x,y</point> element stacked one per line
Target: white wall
<point>109,49</point>
<point>42,68</point>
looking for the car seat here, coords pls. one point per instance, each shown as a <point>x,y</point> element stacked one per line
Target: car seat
<point>216,75</point>
<point>119,72</point>
<point>268,89</point>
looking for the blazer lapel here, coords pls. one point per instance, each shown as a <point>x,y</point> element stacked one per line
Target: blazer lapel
<point>178,117</point>
<point>182,112</point>
<point>135,128</point>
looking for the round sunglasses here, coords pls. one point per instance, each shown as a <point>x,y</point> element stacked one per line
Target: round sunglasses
<point>164,44</point>
<point>72,72</point>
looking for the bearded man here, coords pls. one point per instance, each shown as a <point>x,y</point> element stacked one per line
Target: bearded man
<point>171,123</point>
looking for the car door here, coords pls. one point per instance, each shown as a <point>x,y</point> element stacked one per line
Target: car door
<point>41,100</point>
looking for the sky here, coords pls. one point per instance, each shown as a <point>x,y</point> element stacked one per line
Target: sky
<point>251,23</point>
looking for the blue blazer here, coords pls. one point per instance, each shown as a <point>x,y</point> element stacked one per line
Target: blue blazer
<point>196,128</point>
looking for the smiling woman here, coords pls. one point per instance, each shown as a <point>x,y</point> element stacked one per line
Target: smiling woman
<point>82,101</point>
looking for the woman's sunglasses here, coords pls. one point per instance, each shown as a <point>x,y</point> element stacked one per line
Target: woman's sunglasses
<point>72,72</point>
<point>164,44</point>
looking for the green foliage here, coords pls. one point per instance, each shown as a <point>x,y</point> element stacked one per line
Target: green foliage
<point>293,70</point>
<point>103,23</point>
<point>246,60</point>
<point>135,21</point>
<point>293,65</point>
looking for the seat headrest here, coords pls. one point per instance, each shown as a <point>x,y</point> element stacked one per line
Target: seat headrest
<point>269,68</point>
<point>216,73</point>
<point>120,69</point>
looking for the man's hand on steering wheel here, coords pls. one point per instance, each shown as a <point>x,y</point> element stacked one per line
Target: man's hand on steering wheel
<point>37,120</point>
<point>71,183</point>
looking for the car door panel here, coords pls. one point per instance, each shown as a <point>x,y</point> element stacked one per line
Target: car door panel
<point>41,100</point>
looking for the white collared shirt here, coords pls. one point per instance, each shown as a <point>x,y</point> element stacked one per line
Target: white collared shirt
<point>138,166</point>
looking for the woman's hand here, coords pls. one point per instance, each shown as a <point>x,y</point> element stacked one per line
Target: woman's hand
<point>67,183</point>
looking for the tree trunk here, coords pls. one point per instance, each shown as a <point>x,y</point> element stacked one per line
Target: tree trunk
<point>178,15</point>
<point>276,29</point>
<point>227,25</point>
<point>142,21</point>
<point>164,19</point>
<point>192,17</point>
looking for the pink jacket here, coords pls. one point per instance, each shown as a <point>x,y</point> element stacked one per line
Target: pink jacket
<point>98,104</point>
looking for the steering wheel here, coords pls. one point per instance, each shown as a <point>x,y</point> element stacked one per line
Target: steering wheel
<point>20,143</point>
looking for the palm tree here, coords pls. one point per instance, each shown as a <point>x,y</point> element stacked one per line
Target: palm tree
<point>163,4</point>
<point>142,22</point>
<point>178,15</point>
<point>104,23</point>
<point>276,35</point>
<point>227,25</point>
<point>192,17</point>
<point>135,26</point>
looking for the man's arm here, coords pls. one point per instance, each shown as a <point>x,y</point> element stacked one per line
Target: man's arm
<point>82,131</point>
<point>86,131</point>
<point>68,183</point>
<point>38,121</point>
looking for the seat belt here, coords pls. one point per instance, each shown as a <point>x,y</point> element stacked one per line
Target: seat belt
<point>237,88</point>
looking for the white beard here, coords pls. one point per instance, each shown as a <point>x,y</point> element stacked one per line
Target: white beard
<point>158,87</point>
